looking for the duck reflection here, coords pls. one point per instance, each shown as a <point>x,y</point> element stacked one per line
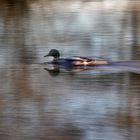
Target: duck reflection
<point>55,70</point>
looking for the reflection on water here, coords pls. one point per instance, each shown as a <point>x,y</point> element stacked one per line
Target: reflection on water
<point>36,104</point>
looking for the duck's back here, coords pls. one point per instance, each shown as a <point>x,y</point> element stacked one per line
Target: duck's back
<point>66,61</point>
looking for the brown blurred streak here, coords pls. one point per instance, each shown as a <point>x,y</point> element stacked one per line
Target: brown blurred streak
<point>135,79</point>
<point>135,20</point>
<point>129,118</point>
<point>125,120</point>
<point>22,82</point>
<point>22,4</point>
<point>13,12</point>
<point>16,7</point>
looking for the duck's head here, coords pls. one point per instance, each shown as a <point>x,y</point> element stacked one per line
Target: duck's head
<point>54,53</point>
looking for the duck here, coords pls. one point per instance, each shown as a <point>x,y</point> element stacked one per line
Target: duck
<point>74,60</point>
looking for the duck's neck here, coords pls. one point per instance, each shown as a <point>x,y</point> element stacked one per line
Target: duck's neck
<point>55,60</point>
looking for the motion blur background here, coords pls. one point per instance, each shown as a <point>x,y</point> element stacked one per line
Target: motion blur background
<point>38,105</point>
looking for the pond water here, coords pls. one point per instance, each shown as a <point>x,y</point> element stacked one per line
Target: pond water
<point>99,104</point>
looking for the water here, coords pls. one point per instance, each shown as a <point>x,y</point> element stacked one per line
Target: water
<point>100,104</point>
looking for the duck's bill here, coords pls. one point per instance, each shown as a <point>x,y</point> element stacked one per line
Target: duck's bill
<point>46,55</point>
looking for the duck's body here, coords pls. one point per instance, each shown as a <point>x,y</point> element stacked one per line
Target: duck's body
<point>78,61</point>
<point>75,60</point>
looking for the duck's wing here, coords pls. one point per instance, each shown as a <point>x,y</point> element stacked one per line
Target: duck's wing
<point>90,61</point>
<point>80,58</point>
<point>91,58</point>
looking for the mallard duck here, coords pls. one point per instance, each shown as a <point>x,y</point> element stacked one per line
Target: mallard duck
<point>75,60</point>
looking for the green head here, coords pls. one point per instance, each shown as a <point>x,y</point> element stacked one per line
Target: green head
<point>54,53</point>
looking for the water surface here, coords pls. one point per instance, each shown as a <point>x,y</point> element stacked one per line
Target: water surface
<point>101,104</point>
